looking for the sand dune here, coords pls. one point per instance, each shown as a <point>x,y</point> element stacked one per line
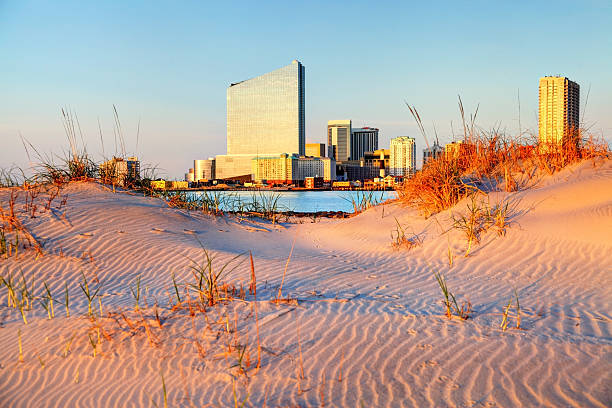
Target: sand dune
<point>371,323</point>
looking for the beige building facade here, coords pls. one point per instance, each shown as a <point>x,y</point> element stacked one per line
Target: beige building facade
<point>315,149</point>
<point>292,169</point>
<point>204,169</point>
<point>559,111</point>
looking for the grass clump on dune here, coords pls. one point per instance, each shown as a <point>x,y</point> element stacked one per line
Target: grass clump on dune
<point>399,238</point>
<point>489,161</point>
<point>207,278</point>
<point>450,302</point>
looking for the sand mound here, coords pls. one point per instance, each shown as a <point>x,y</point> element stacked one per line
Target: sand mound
<point>366,323</point>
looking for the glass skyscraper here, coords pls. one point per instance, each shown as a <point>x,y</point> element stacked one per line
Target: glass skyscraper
<point>363,140</point>
<point>265,116</point>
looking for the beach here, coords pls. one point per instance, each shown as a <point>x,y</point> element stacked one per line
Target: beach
<point>338,318</point>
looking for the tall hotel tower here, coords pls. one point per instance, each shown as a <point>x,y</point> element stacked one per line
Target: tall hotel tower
<point>402,161</point>
<point>559,111</point>
<point>265,117</point>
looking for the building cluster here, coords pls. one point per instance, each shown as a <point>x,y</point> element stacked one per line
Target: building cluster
<point>266,140</point>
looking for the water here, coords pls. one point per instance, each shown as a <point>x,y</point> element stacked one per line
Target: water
<point>307,201</point>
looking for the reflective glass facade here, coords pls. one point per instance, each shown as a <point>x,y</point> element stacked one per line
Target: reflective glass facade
<point>363,140</point>
<point>266,114</point>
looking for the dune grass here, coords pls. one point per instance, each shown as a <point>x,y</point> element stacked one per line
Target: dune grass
<point>479,217</point>
<point>89,294</point>
<point>20,359</point>
<point>450,302</point>
<point>506,312</point>
<point>207,277</point>
<point>136,293</point>
<point>361,200</point>
<point>399,239</point>
<point>489,161</point>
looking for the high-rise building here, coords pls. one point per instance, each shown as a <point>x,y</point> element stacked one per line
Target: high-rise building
<point>402,160</point>
<point>315,149</point>
<point>432,152</point>
<point>559,111</point>
<point>339,139</point>
<point>265,116</point>
<point>204,169</point>
<point>363,140</point>
<point>347,144</point>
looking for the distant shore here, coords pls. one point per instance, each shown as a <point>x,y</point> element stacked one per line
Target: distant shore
<point>279,189</point>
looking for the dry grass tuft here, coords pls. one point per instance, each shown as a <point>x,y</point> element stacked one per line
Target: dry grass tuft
<point>492,161</point>
<point>450,302</point>
<point>400,240</point>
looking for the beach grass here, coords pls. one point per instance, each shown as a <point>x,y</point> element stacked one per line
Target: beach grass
<point>490,160</point>
<point>450,302</point>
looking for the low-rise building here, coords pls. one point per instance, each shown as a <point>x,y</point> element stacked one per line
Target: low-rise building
<point>120,171</point>
<point>292,169</point>
<point>204,169</point>
<point>158,184</point>
<point>315,149</point>
<point>169,185</point>
<point>342,185</point>
<point>355,170</point>
<point>313,182</point>
<point>177,185</point>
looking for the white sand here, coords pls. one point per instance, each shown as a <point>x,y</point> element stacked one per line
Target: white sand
<point>366,312</point>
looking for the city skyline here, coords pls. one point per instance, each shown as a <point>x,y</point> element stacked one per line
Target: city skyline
<point>167,68</point>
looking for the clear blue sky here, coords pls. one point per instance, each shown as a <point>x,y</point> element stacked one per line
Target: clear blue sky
<point>168,64</point>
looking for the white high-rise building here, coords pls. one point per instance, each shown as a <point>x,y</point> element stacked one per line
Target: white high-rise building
<point>402,160</point>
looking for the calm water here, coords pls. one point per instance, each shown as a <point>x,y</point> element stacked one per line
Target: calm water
<point>308,201</point>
